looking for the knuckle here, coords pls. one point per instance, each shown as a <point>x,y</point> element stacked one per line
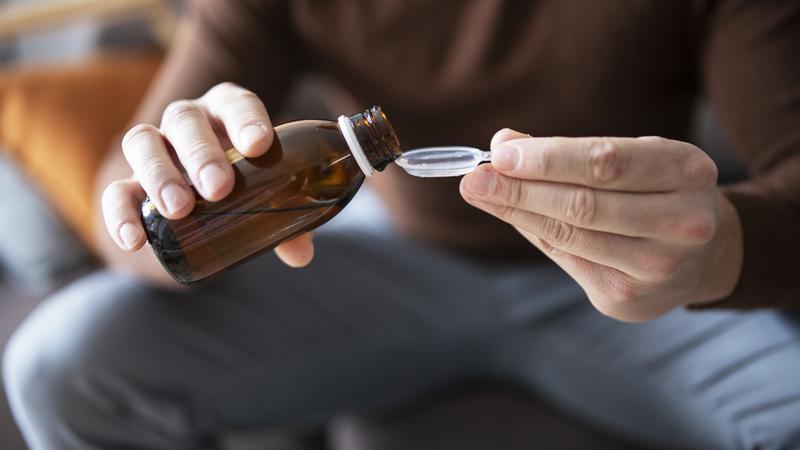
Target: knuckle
<point>621,298</point>
<point>663,268</point>
<point>505,213</point>
<point>543,245</point>
<point>653,139</point>
<point>605,162</point>
<point>152,170</point>
<point>559,233</point>
<point>553,251</point>
<point>700,168</point>
<point>239,98</point>
<point>113,199</point>
<point>111,194</point>
<point>698,227</point>
<point>658,143</point>
<point>179,111</point>
<point>222,88</point>
<point>114,189</point>
<point>541,161</point>
<point>513,190</point>
<point>229,96</point>
<point>622,293</point>
<point>580,206</point>
<point>196,152</point>
<point>135,135</point>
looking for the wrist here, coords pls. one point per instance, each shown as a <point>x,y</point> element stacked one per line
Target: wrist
<point>726,251</point>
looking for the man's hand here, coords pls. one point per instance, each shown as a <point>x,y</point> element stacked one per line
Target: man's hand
<point>638,222</point>
<point>198,132</point>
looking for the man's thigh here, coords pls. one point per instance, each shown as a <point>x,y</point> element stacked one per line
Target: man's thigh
<point>713,379</point>
<point>370,323</point>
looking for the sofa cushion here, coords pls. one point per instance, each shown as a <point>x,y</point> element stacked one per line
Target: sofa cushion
<point>57,123</point>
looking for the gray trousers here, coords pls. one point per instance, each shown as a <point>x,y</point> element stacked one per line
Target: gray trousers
<point>376,321</point>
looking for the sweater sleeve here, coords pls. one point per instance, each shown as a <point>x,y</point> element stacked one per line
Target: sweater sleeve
<point>751,71</point>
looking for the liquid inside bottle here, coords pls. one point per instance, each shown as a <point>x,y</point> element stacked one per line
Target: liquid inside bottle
<point>305,178</point>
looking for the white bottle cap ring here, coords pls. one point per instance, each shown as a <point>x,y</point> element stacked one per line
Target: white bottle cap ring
<point>346,127</point>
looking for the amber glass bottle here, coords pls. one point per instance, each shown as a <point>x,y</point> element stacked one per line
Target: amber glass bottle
<point>311,171</point>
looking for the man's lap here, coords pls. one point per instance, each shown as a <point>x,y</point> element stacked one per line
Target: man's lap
<point>261,345</point>
<point>711,379</point>
<point>376,320</point>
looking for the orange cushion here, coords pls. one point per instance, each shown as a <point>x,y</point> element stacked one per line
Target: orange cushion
<point>58,122</point>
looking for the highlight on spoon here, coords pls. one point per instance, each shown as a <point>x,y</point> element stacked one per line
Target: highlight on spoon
<point>442,161</point>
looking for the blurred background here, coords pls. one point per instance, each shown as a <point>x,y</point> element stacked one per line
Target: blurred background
<point>71,75</point>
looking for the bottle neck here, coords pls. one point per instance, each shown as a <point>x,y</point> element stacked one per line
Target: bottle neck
<point>371,139</point>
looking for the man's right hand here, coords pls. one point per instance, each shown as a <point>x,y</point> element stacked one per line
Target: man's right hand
<point>191,140</point>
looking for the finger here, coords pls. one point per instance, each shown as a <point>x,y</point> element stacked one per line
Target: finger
<point>585,272</point>
<point>148,156</point>
<point>187,128</point>
<point>243,115</point>
<point>610,291</point>
<point>297,252</point>
<point>506,134</point>
<point>120,202</point>
<point>662,216</point>
<point>647,164</point>
<point>642,259</point>
<point>591,277</point>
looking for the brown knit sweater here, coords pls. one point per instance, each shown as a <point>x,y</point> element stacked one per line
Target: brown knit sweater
<point>454,72</point>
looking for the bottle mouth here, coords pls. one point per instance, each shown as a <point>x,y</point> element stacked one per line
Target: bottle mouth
<point>349,133</point>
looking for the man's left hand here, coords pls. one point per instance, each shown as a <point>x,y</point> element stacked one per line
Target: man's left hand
<point>639,223</point>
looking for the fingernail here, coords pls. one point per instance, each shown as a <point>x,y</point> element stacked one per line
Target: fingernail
<point>174,198</point>
<point>251,134</point>
<point>505,157</point>
<point>480,182</point>
<point>212,179</point>
<point>130,234</point>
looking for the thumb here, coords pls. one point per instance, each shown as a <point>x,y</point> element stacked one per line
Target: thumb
<point>506,134</point>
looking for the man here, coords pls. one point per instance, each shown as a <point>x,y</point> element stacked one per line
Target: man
<point>441,290</point>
